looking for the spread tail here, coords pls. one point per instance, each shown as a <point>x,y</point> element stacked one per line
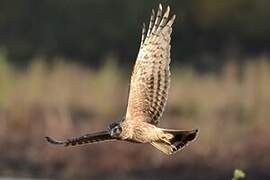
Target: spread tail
<point>174,140</point>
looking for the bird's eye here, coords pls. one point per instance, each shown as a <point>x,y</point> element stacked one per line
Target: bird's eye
<point>117,130</point>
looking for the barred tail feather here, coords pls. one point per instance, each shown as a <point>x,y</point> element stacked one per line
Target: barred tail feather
<point>177,141</point>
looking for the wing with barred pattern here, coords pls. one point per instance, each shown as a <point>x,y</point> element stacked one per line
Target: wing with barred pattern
<point>150,79</point>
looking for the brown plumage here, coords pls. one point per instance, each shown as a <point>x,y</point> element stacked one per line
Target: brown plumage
<point>150,79</point>
<point>149,86</point>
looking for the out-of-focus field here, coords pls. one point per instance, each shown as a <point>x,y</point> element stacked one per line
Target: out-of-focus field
<point>231,109</point>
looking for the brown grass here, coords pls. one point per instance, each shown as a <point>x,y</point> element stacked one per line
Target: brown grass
<point>231,109</point>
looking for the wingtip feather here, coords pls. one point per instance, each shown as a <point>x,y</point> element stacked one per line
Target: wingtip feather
<point>170,23</point>
<point>167,11</point>
<point>160,6</point>
<point>53,141</point>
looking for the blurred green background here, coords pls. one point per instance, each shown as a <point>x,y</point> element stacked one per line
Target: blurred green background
<point>89,30</point>
<point>64,71</point>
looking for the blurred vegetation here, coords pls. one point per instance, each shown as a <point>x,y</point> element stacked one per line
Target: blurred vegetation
<point>230,108</point>
<point>90,30</point>
<point>47,87</point>
<point>238,174</point>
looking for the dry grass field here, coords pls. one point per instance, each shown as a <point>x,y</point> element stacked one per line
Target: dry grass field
<point>231,109</point>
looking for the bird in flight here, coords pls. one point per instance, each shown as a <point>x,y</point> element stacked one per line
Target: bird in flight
<point>148,93</point>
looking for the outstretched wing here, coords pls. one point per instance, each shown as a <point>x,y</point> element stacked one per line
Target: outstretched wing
<point>85,139</point>
<point>150,79</point>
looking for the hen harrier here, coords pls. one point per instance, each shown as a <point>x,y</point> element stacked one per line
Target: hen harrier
<point>148,94</point>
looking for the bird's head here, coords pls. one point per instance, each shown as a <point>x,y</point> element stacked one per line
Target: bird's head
<point>115,129</point>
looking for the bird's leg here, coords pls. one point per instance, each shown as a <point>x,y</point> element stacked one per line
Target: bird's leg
<point>165,137</point>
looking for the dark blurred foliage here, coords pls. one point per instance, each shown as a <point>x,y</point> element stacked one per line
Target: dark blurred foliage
<point>89,30</point>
